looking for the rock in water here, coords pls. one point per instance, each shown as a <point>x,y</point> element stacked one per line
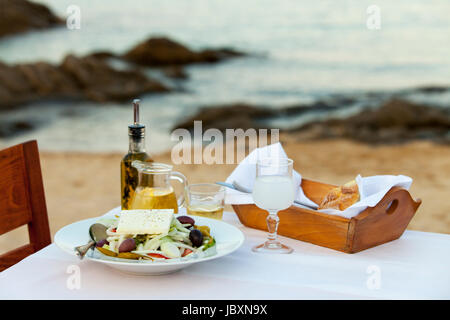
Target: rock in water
<point>85,78</point>
<point>395,121</point>
<point>8,129</point>
<point>246,116</point>
<point>99,82</point>
<point>237,115</point>
<point>163,52</point>
<point>20,15</point>
<point>432,89</point>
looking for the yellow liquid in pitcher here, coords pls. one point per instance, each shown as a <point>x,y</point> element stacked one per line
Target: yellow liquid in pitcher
<point>206,210</point>
<point>155,198</point>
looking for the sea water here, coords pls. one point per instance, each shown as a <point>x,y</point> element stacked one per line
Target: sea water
<point>301,51</point>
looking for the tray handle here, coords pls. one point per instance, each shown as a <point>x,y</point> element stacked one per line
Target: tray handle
<point>385,222</point>
<point>394,201</point>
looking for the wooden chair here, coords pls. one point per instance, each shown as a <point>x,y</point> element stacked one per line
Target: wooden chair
<point>22,200</point>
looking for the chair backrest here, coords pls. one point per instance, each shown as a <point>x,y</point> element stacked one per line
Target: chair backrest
<point>22,200</point>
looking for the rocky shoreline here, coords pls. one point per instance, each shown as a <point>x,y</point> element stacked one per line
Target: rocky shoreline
<point>17,16</point>
<point>76,78</point>
<point>162,52</point>
<point>245,116</point>
<point>395,121</point>
<point>94,78</point>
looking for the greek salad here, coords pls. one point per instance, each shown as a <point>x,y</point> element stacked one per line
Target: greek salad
<point>181,239</point>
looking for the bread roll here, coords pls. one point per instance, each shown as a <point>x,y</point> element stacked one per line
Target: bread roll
<point>342,197</point>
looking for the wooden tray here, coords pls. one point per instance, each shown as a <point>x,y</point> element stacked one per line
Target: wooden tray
<point>374,226</point>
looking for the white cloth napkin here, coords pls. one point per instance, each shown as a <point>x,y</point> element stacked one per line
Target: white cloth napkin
<point>371,190</point>
<point>245,175</point>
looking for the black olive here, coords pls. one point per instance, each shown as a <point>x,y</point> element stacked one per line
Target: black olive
<point>127,245</point>
<point>101,243</point>
<point>186,220</point>
<point>196,237</point>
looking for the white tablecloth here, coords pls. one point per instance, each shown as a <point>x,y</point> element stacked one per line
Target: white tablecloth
<point>415,266</point>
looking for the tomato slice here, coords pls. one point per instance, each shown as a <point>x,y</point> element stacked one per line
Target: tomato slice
<point>186,252</point>
<point>157,255</point>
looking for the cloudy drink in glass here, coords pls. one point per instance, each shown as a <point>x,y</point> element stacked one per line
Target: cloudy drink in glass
<point>273,191</point>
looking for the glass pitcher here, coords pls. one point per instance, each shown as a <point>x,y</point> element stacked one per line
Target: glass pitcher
<point>154,190</point>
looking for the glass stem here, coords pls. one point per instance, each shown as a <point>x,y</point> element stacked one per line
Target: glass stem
<point>272,225</point>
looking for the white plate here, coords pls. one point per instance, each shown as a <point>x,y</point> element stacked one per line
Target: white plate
<point>228,239</point>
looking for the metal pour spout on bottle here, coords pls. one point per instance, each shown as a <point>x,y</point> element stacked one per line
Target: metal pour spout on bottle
<point>136,111</point>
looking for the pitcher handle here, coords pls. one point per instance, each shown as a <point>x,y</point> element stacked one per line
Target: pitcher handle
<point>175,175</point>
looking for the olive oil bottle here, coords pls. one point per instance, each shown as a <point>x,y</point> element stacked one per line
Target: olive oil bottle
<point>136,151</point>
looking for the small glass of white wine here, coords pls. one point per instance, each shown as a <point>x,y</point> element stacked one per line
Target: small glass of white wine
<point>273,191</point>
<point>205,200</point>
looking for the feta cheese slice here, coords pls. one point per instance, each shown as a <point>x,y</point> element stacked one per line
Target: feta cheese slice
<point>155,221</point>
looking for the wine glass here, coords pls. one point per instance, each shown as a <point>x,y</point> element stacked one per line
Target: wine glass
<point>273,191</point>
